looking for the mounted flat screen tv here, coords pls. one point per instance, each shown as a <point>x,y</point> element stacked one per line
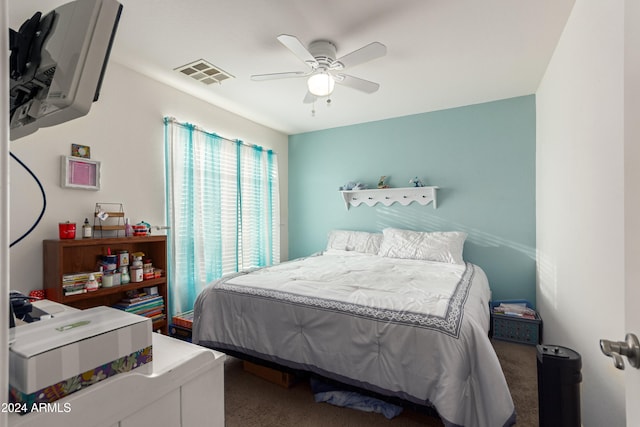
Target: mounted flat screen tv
<point>57,63</point>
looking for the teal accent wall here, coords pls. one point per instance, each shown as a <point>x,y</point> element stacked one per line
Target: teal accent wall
<point>481,156</point>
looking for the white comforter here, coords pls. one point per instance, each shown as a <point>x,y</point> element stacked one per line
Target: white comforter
<point>407,328</point>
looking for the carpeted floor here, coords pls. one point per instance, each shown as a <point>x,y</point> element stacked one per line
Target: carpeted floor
<point>251,401</point>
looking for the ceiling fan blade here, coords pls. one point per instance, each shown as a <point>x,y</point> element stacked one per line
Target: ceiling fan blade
<point>309,98</point>
<point>294,45</point>
<point>273,76</point>
<point>364,54</point>
<point>357,83</point>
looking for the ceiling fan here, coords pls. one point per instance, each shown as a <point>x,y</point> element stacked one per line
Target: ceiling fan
<point>324,69</point>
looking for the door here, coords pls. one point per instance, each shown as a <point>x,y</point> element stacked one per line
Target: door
<point>631,200</point>
<point>632,197</point>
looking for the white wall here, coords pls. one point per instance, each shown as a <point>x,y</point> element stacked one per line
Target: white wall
<point>125,132</point>
<point>580,200</point>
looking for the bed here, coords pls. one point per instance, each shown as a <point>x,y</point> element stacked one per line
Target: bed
<point>398,313</point>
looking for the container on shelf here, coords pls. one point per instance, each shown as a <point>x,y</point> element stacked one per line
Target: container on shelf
<point>516,329</point>
<point>123,258</point>
<point>67,230</point>
<point>107,280</point>
<point>136,274</point>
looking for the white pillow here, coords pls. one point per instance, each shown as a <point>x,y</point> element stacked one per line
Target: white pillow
<point>436,246</point>
<point>358,241</point>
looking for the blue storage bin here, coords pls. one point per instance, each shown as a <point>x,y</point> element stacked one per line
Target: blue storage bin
<point>515,329</point>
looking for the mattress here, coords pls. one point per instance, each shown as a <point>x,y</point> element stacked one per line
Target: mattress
<point>412,329</point>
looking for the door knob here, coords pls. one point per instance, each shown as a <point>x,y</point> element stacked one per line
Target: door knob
<point>630,347</point>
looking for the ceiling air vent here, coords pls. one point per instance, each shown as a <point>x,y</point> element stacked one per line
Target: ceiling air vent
<point>204,72</point>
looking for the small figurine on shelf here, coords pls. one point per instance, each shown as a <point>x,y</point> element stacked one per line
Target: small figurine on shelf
<point>382,183</point>
<point>92,284</point>
<point>360,186</point>
<point>416,182</point>
<point>353,186</point>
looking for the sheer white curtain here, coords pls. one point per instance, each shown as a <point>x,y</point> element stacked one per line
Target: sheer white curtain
<point>259,217</point>
<point>222,207</point>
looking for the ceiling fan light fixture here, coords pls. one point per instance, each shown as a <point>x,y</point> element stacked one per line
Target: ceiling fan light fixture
<point>321,84</point>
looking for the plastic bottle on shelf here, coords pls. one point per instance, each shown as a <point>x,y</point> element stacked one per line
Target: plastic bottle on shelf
<point>124,275</point>
<point>128,230</point>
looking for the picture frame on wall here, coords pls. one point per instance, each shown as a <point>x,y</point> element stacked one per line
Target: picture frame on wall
<point>80,173</point>
<point>78,150</point>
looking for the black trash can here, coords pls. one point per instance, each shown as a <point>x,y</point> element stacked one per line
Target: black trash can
<point>559,379</point>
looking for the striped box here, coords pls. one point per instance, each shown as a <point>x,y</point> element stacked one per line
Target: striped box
<point>53,358</point>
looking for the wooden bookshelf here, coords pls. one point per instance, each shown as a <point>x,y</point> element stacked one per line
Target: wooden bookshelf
<point>82,255</point>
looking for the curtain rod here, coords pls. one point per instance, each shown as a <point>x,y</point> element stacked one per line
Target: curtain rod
<point>198,128</point>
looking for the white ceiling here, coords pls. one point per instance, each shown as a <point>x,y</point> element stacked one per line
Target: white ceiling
<point>440,53</point>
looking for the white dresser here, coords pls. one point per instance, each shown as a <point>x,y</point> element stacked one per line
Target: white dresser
<point>185,389</point>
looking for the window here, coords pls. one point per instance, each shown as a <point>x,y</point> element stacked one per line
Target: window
<point>222,207</point>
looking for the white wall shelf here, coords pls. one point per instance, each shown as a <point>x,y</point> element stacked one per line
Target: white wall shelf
<point>389,196</point>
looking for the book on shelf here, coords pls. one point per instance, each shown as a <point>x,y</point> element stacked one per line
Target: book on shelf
<point>140,300</point>
<point>74,283</point>
<point>152,302</point>
<point>152,313</point>
<point>82,277</point>
<point>68,293</point>
<point>73,286</point>
<point>151,306</point>
<point>137,295</point>
<point>74,289</point>
<point>147,308</point>
<point>157,317</point>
